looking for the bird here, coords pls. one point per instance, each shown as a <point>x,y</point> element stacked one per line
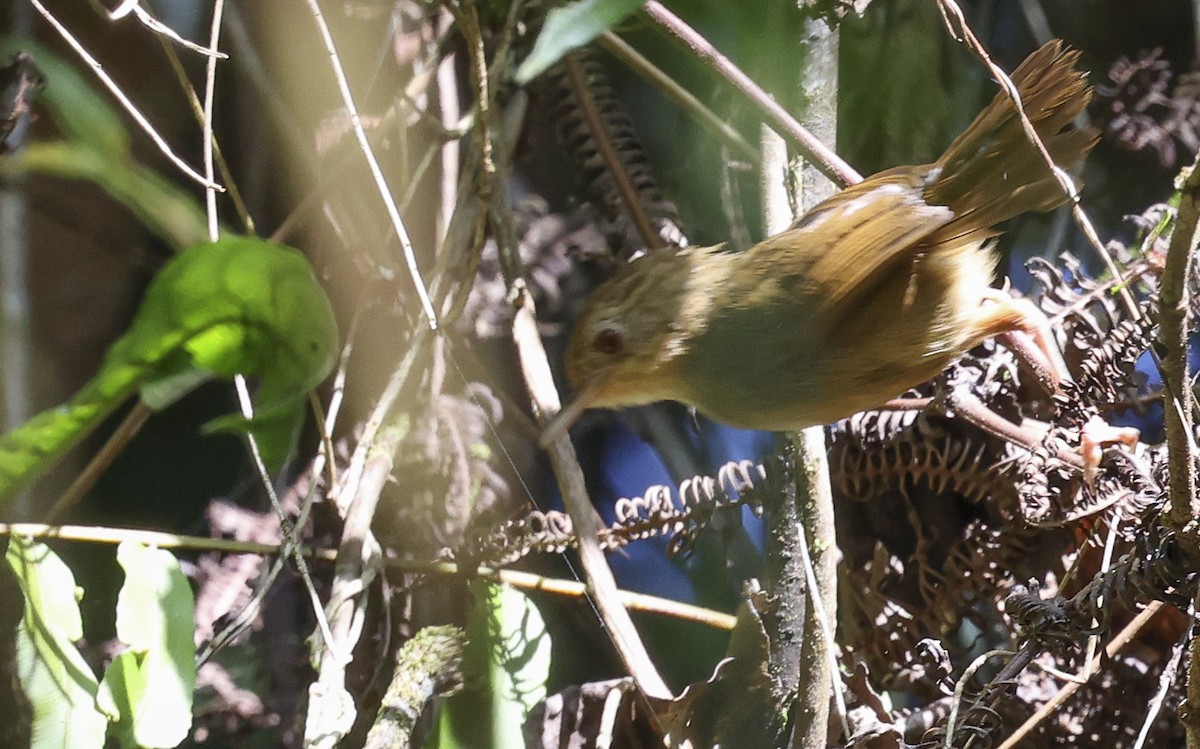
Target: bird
<point>872,292</point>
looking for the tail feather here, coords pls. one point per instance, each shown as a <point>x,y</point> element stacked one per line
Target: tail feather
<point>992,172</point>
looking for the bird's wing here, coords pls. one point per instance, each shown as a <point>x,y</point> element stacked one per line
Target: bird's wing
<point>848,245</point>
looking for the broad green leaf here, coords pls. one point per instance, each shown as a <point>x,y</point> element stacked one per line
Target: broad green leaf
<point>82,112</point>
<point>506,665</point>
<point>148,688</point>
<point>237,306</point>
<point>123,686</point>
<point>57,681</point>
<point>570,27</point>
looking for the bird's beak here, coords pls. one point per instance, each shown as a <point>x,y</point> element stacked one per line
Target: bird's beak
<point>570,413</point>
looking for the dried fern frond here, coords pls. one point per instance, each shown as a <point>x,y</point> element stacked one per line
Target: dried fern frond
<point>597,134</point>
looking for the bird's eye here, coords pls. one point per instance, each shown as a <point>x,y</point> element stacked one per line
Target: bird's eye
<point>609,342</point>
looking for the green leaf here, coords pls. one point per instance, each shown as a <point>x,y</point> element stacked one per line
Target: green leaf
<point>123,687</point>
<point>148,688</point>
<point>57,681</point>
<point>570,27</point>
<point>506,665</point>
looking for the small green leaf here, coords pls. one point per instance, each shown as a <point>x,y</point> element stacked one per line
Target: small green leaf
<point>570,27</point>
<point>57,681</point>
<point>149,687</point>
<point>506,665</point>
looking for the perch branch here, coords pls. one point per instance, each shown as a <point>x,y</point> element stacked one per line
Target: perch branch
<point>539,382</point>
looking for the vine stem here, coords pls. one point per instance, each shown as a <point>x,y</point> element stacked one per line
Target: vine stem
<point>642,602</point>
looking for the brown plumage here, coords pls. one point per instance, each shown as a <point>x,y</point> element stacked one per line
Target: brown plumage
<point>871,292</point>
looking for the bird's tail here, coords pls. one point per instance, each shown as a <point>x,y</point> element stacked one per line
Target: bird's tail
<point>992,172</point>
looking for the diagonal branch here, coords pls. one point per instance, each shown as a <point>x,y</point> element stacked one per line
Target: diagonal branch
<point>811,147</point>
<point>535,370</point>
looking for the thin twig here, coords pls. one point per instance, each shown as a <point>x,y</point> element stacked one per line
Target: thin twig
<point>120,96</point>
<point>210,87</point>
<point>381,184</point>
<point>159,28</point>
<point>246,616</point>
<point>956,23</point>
<point>1110,545</point>
<point>655,76</point>
<point>102,534</point>
<point>1071,687</point>
<point>961,687</point>
<point>328,420</point>
<point>235,195</point>
<point>126,430</point>
<point>569,475</point>
<point>291,531</point>
<point>1166,680</point>
<point>822,616</point>
<point>331,173</point>
<point>289,548</point>
<point>343,493</point>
